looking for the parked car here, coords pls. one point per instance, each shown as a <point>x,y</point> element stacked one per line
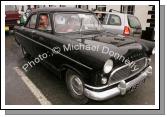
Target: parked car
<point>89,73</point>
<point>12,17</point>
<point>120,23</point>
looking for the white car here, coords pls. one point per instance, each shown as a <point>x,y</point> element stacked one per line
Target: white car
<point>120,23</point>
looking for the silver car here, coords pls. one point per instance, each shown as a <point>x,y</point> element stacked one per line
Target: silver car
<point>120,23</point>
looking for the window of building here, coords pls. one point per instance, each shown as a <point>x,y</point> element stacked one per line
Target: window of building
<point>101,7</point>
<point>83,6</point>
<point>129,9</point>
<point>22,8</point>
<point>62,5</point>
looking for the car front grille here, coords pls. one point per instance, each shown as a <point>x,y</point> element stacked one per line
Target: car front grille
<point>127,71</point>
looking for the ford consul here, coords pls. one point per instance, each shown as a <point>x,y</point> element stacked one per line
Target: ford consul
<point>94,63</point>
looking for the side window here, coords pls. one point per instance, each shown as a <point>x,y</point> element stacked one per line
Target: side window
<point>105,19</point>
<point>44,22</point>
<point>114,20</point>
<point>101,17</point>
<point>32,22</point>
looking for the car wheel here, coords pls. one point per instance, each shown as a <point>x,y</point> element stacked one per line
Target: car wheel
<point>75,86</point>
<point>24,52</point>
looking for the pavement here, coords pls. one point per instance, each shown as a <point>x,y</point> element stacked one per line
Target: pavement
<point>41,86</point>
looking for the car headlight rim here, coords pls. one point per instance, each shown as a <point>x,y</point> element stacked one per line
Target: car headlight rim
<point>108,66</point>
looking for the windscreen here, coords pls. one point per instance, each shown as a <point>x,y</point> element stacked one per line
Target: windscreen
<point>64,23</point>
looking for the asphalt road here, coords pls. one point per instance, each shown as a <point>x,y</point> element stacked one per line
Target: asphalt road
<point>55,91</point>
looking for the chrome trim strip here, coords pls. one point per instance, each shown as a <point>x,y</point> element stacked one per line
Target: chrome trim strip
<point>92,87</point>
<point>53,53</point>
<point>102,87</point>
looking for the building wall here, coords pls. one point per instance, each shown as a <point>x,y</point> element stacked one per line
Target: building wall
<point>91,7</point>
<point>115,7</point>
<point>20,6</point>
<point>141,11</point>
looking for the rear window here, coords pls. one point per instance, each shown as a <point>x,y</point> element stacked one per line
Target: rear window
<point>114,20</point>
<point>134,22</point>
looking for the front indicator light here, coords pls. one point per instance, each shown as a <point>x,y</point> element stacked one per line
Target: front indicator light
<point>104,80</point>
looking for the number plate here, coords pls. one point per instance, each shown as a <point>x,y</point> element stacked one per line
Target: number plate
<point>133,88</point>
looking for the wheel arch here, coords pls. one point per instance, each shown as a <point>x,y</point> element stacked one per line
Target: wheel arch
<point>66,67</point>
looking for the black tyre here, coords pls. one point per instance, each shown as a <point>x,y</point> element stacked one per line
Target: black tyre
<point>75,86</point>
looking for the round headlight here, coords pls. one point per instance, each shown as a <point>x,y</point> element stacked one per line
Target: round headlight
<point>108,66</point>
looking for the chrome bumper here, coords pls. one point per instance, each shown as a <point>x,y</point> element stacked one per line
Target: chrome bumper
<point>120,89</point>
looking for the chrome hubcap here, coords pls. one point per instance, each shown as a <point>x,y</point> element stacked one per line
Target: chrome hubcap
<point>76,85</point>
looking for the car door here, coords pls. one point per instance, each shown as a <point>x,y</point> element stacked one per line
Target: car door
<point>24,34</point>
<point>42,38</point>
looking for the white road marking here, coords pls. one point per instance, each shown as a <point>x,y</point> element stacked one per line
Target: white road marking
<point>37,93</point>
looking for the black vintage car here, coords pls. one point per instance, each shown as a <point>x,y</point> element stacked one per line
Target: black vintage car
<point>94,63</point>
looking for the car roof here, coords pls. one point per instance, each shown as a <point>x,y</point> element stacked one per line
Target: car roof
<point>60,9</point>
<point>117,13</point>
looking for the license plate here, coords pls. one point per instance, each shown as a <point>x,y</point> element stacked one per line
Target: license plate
<point>6,28</point>
<point>133,88</point>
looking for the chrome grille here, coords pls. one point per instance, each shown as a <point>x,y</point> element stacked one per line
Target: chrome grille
<point>126,71</point>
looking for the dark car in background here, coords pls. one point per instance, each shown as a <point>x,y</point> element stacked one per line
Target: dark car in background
<point>12,17</point>
<point>94,74</point>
